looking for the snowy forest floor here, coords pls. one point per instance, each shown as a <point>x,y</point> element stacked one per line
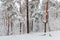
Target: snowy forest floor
<point>34,36</point>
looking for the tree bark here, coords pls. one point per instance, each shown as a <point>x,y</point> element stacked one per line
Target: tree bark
<point>20,13</point>
<point>27,16</point>
<point>46,15</point>
<point>9,25</point>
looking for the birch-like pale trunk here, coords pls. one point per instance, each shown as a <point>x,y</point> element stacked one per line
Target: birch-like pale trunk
<point>9,25</point>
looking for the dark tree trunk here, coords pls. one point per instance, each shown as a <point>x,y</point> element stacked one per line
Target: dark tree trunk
<point>27,16</point>
<point>20,27</point>
<point>20,13</point>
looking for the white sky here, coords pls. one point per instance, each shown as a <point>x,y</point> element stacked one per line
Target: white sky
<point>58,0</point>
<point>0,3</point>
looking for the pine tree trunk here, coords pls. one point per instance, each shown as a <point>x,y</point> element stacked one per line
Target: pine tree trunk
<point>46,15</point>
<point>20,27</point>
<point>20,13</point>
<point>27,16</point>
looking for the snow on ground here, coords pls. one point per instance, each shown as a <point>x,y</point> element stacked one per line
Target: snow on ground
<point>34,36</point>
